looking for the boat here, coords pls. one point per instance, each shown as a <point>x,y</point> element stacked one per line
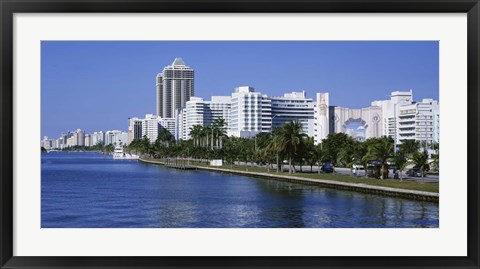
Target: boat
<point>119,154</point>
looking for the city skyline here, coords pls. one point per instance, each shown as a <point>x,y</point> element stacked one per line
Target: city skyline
<point>82,84</point>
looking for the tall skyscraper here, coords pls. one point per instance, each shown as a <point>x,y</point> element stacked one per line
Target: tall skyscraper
<point>174,88</point>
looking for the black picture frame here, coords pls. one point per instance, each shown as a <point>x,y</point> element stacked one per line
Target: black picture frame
<point>10,7</point>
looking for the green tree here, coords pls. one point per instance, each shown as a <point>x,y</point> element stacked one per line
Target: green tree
<point>309,152</point>
<point>164,137</point>
<point>409,146</point>
<point>401,162</point>
<point>333,144</point>
<point>318,153</point>
<point>275,147</point>
<point>109,149</point>
<point>346,155</point>
<point>420,160</point>
<point>292,139</point>
<point>145,146</point>
<point>219,129</point>
<point>196,134</point>
<point>381,149</point>
<point>436,157</point>
<point>361,150</point>
<point>206,134</point>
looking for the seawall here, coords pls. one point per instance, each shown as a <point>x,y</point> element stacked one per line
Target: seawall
<point>359,187</point>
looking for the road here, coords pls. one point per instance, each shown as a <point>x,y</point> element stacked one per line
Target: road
<point>360,173</point>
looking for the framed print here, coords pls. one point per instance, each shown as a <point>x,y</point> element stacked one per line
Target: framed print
<point>231,133</point>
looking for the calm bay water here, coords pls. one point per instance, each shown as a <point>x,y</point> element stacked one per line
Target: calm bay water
<point>87,190</point>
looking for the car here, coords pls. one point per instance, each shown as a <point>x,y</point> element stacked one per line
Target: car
<point>327,168</point>
<point>414,172</point>
<point>358,167</point>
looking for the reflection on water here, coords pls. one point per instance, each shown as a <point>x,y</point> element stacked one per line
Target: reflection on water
<point>87,190</point>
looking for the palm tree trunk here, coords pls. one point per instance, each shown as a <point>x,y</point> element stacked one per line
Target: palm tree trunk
<point>289,165</point>
<point>278,165</point>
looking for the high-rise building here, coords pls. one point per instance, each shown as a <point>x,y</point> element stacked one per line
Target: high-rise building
<point>116,138</point>
<point>390,112</point>
<point>46,143</point>
<point>418,121</point>
<point>71,141</point>
<point>88,140</point>
<point>251,113</point>
<point>193,113</point>
<point>167,124</point>
<point>79,137</point>
<point>151,127</point>
<point>134,129</point>
<point>98,137</point>
<point>293,106</point>
<point>174,88</point>
<point>200,112</point>
<point>218,108</point>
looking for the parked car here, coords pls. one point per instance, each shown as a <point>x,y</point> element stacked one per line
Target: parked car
<point>414,172</point>
<point>358,167</point>
<point>327,168</point>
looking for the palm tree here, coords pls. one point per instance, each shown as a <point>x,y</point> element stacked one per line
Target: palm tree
<point>219,126</point>
<point>291,133</point>
<point>361,150</point>
<point>195,133</point>
<point>275,146</point>
<point>410,146</point>
<point>145,146</point>
<point>347,155</point>
<point>206,134</point>
<point>401,162</point>
<point>420,160</point>
<point>310,152</point>
<point>318,152</point>
<point>109,149</point>
<point>436,157</point>
<point>165,138</point>
<point>381,150</point>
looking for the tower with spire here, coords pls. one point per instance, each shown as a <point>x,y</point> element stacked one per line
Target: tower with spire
<point>174,88</point>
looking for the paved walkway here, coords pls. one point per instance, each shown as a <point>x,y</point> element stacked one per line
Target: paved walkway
<point>420,195</point>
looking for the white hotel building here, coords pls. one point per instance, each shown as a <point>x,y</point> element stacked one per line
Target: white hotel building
<point>248,113</point>
<point>419,121</point>
<point>403,119</point>
<point>116,137</point>
<point>293,106</point>
<point>201,112</point>
<point>150,126</point>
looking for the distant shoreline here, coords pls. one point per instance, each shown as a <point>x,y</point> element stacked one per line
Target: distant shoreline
<point>358,187</point>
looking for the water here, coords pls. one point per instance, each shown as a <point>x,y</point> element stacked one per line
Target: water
<point>87,190</point>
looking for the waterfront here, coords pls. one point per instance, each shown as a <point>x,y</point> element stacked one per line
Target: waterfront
<point>89,190</point>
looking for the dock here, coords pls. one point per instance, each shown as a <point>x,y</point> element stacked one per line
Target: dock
<point>172,163</point>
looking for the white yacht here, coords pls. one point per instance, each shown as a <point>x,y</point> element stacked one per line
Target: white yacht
<point>118,154</point>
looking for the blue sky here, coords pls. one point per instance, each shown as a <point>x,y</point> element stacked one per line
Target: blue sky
<point>97,85</point>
